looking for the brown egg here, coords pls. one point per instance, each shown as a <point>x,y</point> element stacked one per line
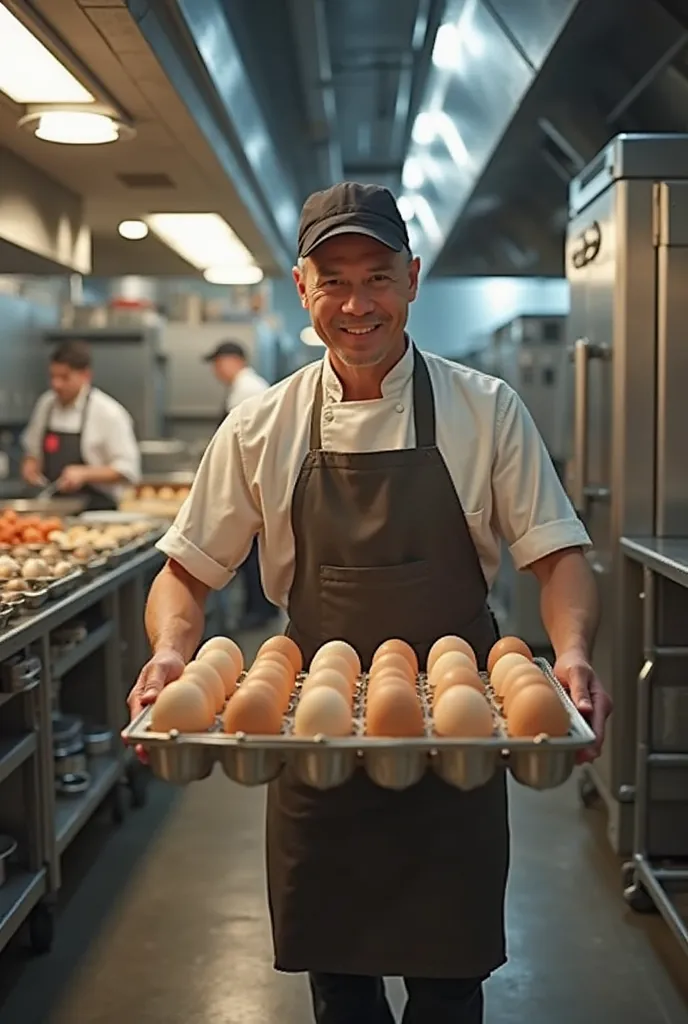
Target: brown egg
<point>394,710</point>
<point>275,658</point>
<point>507,645</point>
<point>225,666</point>
<point>210,681</point>
<point>449,659</point>
<point>342,650</point>
<point>387,677</point>
<point>449,643</point>
<point>532,677</point>
<point>286,646</point>
<point>274,676</point>
<point>182,706</point>
<point>397,662</point>
<point>457,675</point>
<point>337,664</point>
<point>397,647</point>
<point>223,643</point>
<point>322,711</point>
<point>462,711</point>
<point>537,710</point>
<point>327,676</point>
<point>502,668</point>
<point>517,668</point>
<point>253,710</point>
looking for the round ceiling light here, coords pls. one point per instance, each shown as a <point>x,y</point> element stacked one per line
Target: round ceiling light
<point>75,127</point>
<point>133,230</point>
<point>234,275</point>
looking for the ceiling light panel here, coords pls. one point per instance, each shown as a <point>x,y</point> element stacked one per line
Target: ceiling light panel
<point>29,73</point>
<point>202,239</point>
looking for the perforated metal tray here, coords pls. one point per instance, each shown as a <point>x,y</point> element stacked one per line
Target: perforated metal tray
<point>323,762</point>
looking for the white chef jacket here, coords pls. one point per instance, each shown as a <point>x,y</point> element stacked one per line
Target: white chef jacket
<point>108,436</point>
<point>496,458</point>
<point>246,384</point>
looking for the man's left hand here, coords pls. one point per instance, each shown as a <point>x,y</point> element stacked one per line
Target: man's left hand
<point>72,478</point>
<point>575,673</point>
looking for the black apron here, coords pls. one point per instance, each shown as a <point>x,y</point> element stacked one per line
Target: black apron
<point>61,449</point>
<point>364,880</point>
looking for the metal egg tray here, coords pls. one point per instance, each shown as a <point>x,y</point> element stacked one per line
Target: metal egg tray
<point>541,763</point>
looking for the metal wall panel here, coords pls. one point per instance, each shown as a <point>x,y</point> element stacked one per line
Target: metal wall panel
<point>534,24</point>
<point>23,365</point>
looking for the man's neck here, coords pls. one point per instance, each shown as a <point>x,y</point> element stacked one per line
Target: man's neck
<point>364,383</point>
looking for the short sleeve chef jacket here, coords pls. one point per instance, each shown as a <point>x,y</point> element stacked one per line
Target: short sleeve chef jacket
<point>108,438</point>
<point>496,458</point>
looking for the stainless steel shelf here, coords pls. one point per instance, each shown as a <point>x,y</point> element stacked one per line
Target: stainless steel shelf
<point>667,556</point>
<point>72,812</point>
<point>18,896</point>
<point>75,655</point>
<point>14,752</point>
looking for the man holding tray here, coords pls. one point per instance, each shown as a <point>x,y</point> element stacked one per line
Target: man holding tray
<point>380,482</point>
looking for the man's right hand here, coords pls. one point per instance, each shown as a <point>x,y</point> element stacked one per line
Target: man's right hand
<point>164,667</point>
<point>31,472</point>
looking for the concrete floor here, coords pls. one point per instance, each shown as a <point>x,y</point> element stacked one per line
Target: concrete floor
<point>164,920</point>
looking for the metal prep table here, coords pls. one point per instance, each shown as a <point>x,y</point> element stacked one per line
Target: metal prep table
<point>662,717</point>
<point>94,675</point>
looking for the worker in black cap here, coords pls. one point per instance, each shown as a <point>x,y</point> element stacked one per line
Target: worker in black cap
<point>384,482</point>
<point>231,367</point>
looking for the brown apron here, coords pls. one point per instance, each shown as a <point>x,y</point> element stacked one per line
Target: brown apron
<point>364,880</point>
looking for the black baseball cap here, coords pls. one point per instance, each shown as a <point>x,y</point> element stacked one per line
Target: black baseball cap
<point>351,208</point>
<point>226,348</point>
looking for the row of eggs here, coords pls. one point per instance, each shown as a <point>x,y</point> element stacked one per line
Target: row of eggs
<point>460,707</point>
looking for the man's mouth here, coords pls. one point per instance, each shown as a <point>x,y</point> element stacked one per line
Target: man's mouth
<point>359,331</point>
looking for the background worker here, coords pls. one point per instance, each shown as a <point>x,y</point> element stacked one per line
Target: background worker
<point>78,436</point>
<point>232,369</point>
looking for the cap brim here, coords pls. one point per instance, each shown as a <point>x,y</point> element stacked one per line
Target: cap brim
<point>350,229</point>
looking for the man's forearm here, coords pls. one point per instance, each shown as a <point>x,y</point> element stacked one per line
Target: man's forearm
<point>175,611</point>
<point>569,601</point>
<point>103,475</point>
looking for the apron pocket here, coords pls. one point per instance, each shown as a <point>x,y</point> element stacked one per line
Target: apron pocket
<point>366,605</point>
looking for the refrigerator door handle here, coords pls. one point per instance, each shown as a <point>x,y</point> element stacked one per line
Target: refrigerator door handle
<point>583,351</point>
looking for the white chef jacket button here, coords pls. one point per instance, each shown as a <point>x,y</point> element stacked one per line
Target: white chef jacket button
<point>399,407</point>
<point>328,414</point>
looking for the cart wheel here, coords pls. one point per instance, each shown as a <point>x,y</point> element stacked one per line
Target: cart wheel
<point>639,899</point>
<point>41,929</point>
<point>586,790</point>
<point>137,780</point>
<point>117,807</point>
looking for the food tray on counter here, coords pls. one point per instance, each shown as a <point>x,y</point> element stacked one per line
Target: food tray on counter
<point>541,762</point>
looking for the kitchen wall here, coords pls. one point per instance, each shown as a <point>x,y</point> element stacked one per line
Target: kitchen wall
<point>456,315</point>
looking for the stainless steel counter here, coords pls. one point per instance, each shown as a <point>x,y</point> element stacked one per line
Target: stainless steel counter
<point>667,556</point>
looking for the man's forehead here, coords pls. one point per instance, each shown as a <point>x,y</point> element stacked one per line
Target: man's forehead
<point>352,249</point>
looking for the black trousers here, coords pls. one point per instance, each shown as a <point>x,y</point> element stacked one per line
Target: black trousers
<point>352,999</point>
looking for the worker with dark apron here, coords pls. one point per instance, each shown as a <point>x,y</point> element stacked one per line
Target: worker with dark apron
<point>61,449</point>
<point>366,882</point>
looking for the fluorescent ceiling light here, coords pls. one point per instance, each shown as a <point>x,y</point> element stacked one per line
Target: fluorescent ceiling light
<point>445,53</point>
<point>202,239</point>
<point>134,230</point>
<point>234,275</point>
<point>309,336</point>
<point>29,73</point>
<point>76,128</point>
<point>428,220</point>
<point>425,128</point>
<point>412,175</point>
<point>406,209</point>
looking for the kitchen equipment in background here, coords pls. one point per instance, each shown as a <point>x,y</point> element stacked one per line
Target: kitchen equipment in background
<point>626,262</point>
<point>8,847</point>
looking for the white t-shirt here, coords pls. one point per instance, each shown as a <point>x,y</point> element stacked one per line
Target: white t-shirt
<point>498,463</point>
<point>246,384</point>
<point>108,437</point>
